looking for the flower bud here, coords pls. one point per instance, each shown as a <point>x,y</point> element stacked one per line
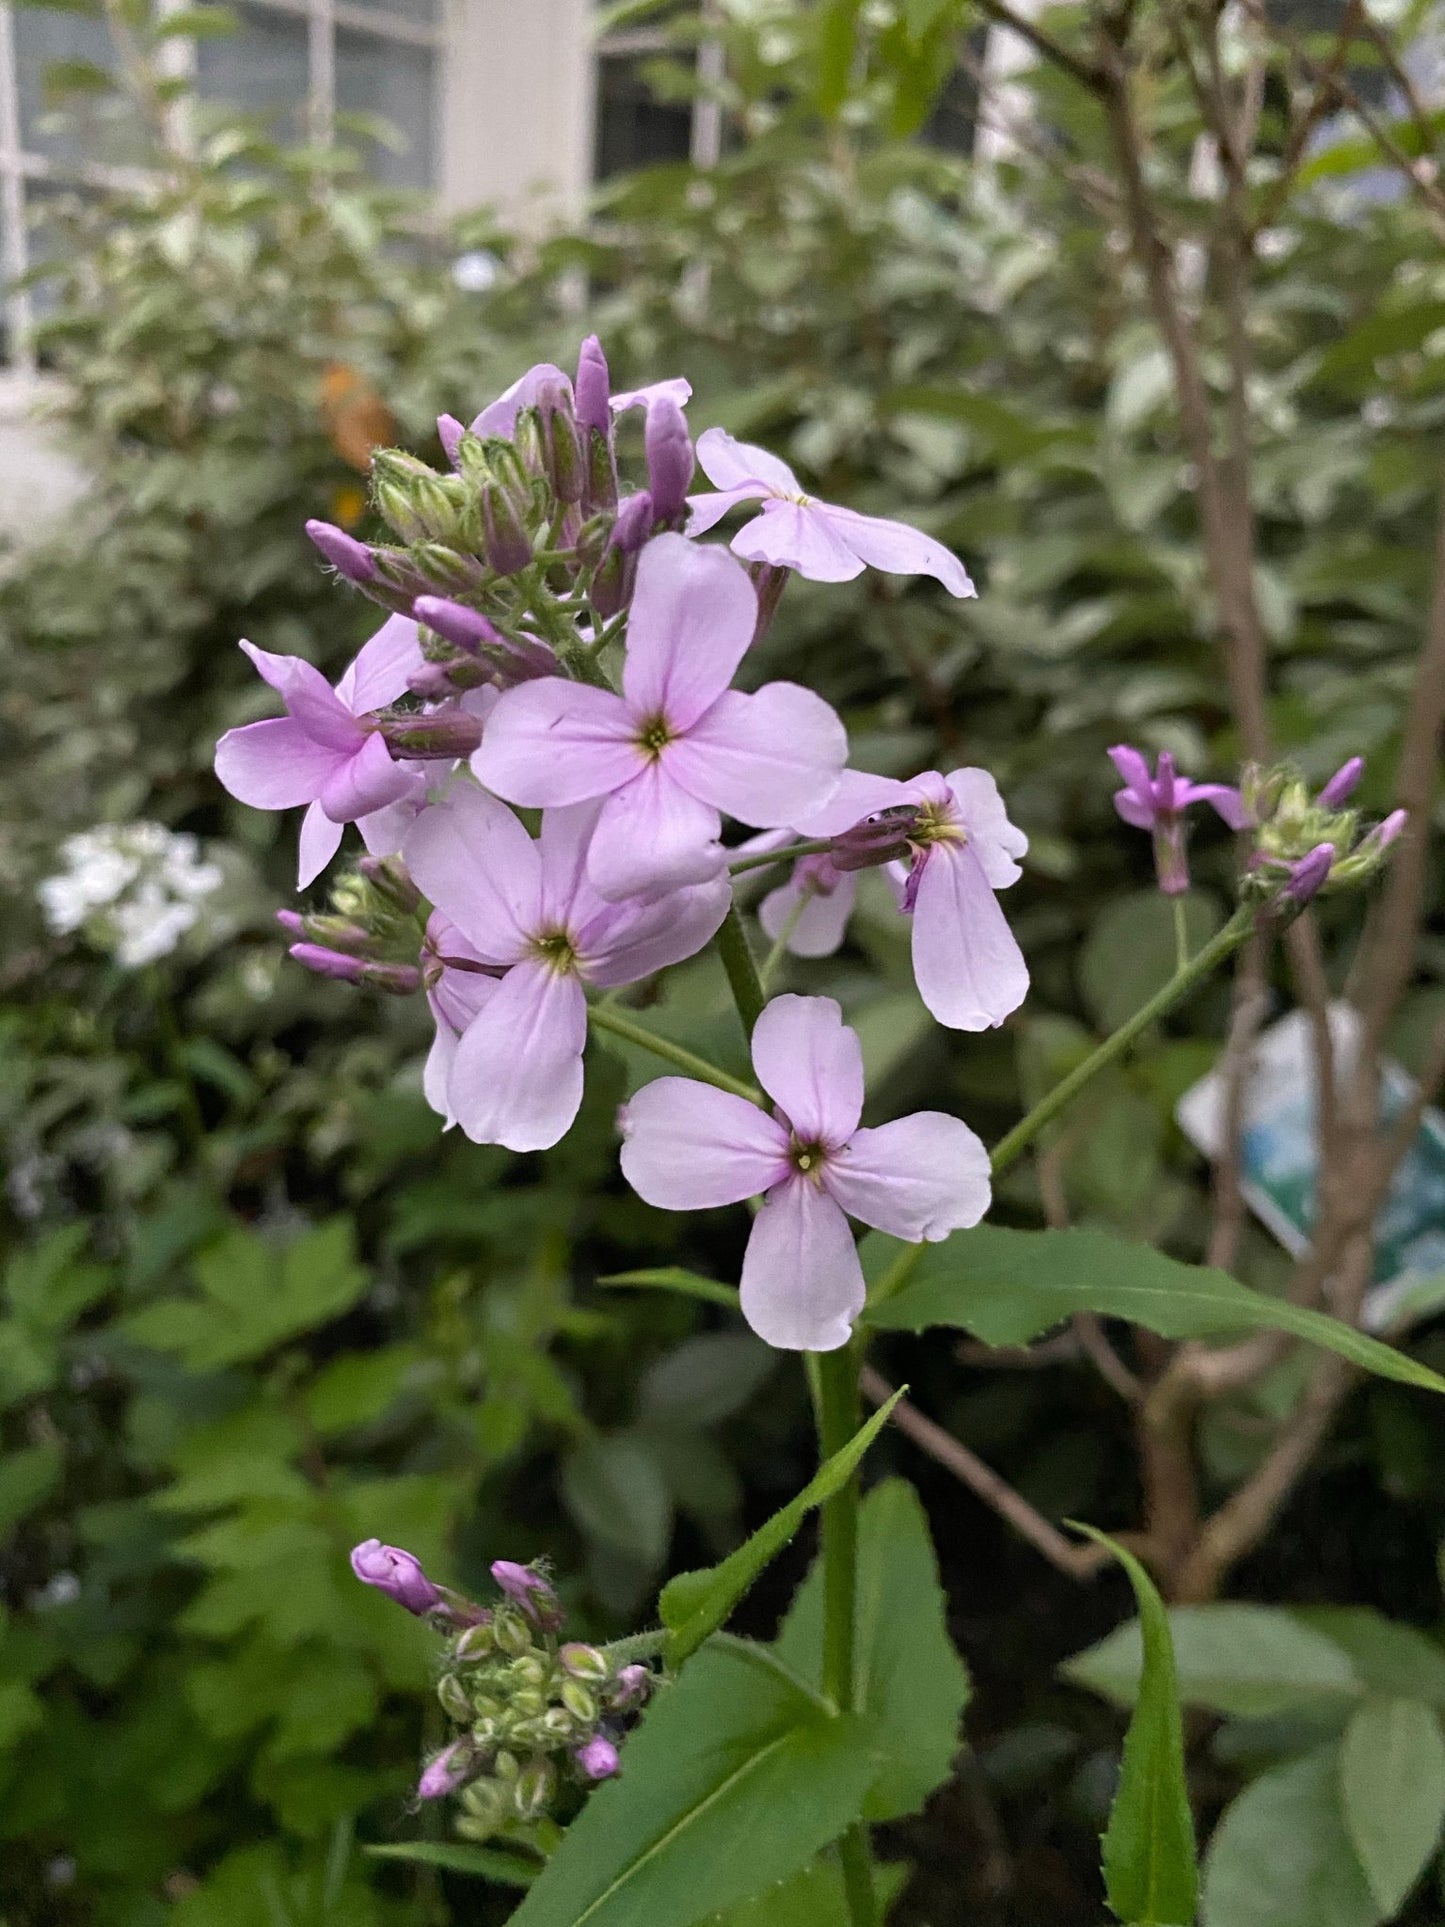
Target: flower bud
<point>512,658</point>
<point>579,1702</point>
<point>453,1696</point>
<point>445,1773</point>
<point>291,922</point>
<point>449,434</point>
<point>630,1688</point>
<point>330,963</point>
<point>477,1642</point>
<point>529,1703</point>
<point>598,1758</point>
<point>531,1590</point>
<point>506,1766</point>
<point>670,459</point>
<point>635,521</point>
<point>346,555</point>
<point>884,837</point>
<point>584,1662</point>
<point>558,1723</point>
<point>1308,875</point>
<point>511,1631</point>
<point>530,1670</point>
<point>561,443</point>
<point>396,1573</point>
<point>485,1806</point>
<point>593,390</point>
<point>535,1786</point>
<point>439,735</point>
<point>387,876</point>
<point>505,540</point>
<point>1341,785</point>
<point>438,567</point>
<point>1379,839</point>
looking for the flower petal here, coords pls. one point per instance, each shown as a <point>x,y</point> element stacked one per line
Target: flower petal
<point>653,835</point>
<point>858,794</point>
<point>811,1065</point>
<point>517,1075</point>
<point>688,1147</point>
<point>320,840</point>
<point>791,535</point>
<point>767,758</point>
<point>455,1000</point>
<point>728,463</point>
<point>919,1177</point>
<point>802,1284</point>
<point>1134,769</point>
<point>1223,798</point>
<point>970,971</point>
<point>562,846</point>
<point>500,416</point>
<point>1138,814</point>
<point>693,615</point>
<point>997,843</point>
<point>628,941</point>
<point>381,671</point>
<point>706,511</point>
<point>308,697</point>
<point>673,388</point>
<point>367,781</point>
<point>899,549</point>
<point>550,743</point>
<point>274,765</point>
<point>478,865</point>
<point>821,924</point>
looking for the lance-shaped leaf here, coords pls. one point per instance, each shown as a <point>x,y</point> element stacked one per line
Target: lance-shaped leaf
<point>911,1684</point>
<point>1392,1791</point>
<point>737,1777</point>
<point>695,1604</point>
<point>1006,1287</point>
<point>1150,1868</point>
<point>457,1856</point>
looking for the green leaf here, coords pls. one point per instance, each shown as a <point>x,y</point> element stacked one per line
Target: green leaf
<point>1394,1660</point>
<point>695,1604</point>
<point>616,1492</point>
<point>1006,1287</point>
<point>1392,1789</point>
<point>674,1278</point>
<point>706,1379</point>
<point>1150,1865</point>
<point>812,1898</point>
<point>27,1478</point>
<point>456,1856</point>
<point>1240,1659</point>
<point>837,30</point>
<point>736,1778</point>
<point>912,1686</point>
<point>1130,950</point>
<point>1280,1856</point>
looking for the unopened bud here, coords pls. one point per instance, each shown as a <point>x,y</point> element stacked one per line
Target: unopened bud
<point>1341,785</point>
<point>345,554</point>
<point>453,1696</point>
<point>530,1670</point>
<point>449,434</point>
<point>535,1786</point>
<point>446,1772</point>
<point>506,1766</point>
<point>440,735</point>
<point>670,459</point>
<point>463,627</point>
<point>584,1662</point>
<point>529,1703</point>
<point>884,837</point>
<point>1308,875</point>
<point>291,922</point>
<point>476,1642</point>
<point>511,1632</point>
<point>593,390</point>
<point>329,963</point>
<point>436,567</point>
<point>598,1758</point>
<point>394,506</point>
<point>558,1723</point>
<point>1379,839</point>
<point>531,1590</point>
<point>630,1688</point>
<point>635,521</point>
<point>579,1701</point>
<point>387,876</point>
<point>397,1573</point>
<point>561,442</point>
<point>505,540</point>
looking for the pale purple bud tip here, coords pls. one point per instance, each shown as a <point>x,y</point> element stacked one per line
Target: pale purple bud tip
<point>670,459</point>
<point>345,554</point>
<point>441,735</point>
<point>397,1574</point>
<point>292,922</point>
<point>464,628</point>
<point>1342,784</point>
<point>531,1591</point>
<point>1306,876</point>
<point>631,1687</point>
<point>432,682</point>
<point>883,837</point>
<point>593,391</point>
<point>449,434</point>
<point>1384,834</point>
<point>330,963</point>
<point>598,1758</point>
<point>634,523</point>
<point>446,1772</point>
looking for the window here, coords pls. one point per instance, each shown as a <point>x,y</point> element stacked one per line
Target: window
<point>309,62</point>
<point>634,127</point>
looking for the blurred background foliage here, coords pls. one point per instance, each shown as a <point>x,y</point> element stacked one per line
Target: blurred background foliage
<point>255,1308</point>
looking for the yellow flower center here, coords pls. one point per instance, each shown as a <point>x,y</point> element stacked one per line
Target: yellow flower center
<point>654,736</point>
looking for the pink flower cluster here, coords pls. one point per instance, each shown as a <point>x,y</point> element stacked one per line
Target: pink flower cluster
<point>558,644</point>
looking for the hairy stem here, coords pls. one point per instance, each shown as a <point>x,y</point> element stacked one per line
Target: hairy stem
<point>606,1017</point>
<point>765,859</point>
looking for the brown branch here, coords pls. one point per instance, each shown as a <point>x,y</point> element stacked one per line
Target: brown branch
<point>1079,1562</point>
<point>1319,106</point>
<point>1385,47</point>
<point>1087,1330</point>
<point>1043,43</point>
<point>1307,965</point>
<point>1250,1002</point>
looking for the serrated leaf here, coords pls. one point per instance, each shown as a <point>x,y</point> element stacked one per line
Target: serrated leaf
<point>1006,1287</point>
<point>1232,1658</point>
<point>737,1777</point>
<point>457,1856</point>
<point>1280,1856</point>
<point>1392,1790</point>
<point>1151,1872</point>
<point>694,1604</point>
<point>912,1685</point>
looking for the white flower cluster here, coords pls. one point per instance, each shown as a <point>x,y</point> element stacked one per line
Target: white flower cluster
<point>133,889</point>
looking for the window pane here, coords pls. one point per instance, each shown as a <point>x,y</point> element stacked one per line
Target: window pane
<point>261,68</point>
<point>94,126</point>
<point>425,13</point>
<point>396,82</point>
<point>634,127</point>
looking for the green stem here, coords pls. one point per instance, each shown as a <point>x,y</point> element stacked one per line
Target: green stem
<point>622,1652</point>
<point>766,858</point>
<point>1181,936</point>
<point>785,935</point>
<point>607,1017</point>
<point>737,960</point>
<point>857,1862</point>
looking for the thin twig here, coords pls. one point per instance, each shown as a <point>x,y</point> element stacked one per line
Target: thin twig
<point>1087,1330</point>
<point>1251,1001</point>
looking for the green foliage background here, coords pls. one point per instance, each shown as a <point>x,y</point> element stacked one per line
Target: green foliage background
<point>255,1308</point>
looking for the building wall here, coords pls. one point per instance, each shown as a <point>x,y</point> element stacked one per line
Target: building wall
<point>517,106</point>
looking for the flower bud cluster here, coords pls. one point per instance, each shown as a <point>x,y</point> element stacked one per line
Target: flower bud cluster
<point>1306,843</point>
<point>535,1716</point>
<point>371,934</point>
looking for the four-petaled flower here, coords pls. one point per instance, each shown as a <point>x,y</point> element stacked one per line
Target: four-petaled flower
<point>689,1147</point>
<point>678,748</point>
<point>1157,803</point>
<point>528,909</point>
<point>327,750</point>
<point>821,541</point>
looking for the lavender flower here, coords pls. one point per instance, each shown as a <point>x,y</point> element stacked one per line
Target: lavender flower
<point>1157,803</point>
<point>531,1590</point>
<point>396,1573</point>
<point>689,1147</point>
<point>598,1759</point>
<point>447,1771</point>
